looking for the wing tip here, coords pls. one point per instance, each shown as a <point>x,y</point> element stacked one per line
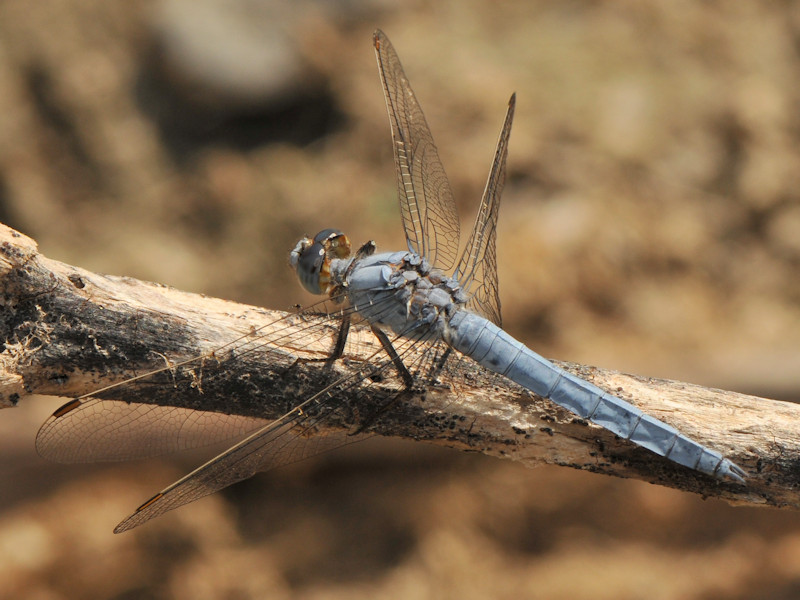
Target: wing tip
<point>67,408</point>
<point>378,38</point>
<point>45,436</point>
<point>124,526</point>
<point>130,522</point>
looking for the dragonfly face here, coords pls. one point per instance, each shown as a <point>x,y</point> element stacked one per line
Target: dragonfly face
<point>311,258</point>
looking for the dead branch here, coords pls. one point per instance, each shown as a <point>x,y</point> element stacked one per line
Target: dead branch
<point>67,332</point>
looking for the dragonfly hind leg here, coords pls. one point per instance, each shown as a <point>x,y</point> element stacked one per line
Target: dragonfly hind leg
<point>402,371</point>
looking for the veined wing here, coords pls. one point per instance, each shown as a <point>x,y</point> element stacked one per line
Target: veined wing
<point>477,268</point>
<point>93,429</point>
<point>300,433</point>
<point>429,211</point>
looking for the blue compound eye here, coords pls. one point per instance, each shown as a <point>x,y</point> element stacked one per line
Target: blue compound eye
<point>327,234</point>
<point>308,259</point>
<point>311,258</point>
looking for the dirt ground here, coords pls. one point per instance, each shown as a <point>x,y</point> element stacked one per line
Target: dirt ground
<point>650,224</point>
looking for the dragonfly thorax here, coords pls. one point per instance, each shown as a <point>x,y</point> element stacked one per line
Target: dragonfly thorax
<point>401,290</point>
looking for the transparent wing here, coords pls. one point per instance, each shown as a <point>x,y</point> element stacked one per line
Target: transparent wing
<point>95,430</point>
<point>477,268</point>
<point>301,433</point>
<point>270,447</point>
<point>429,212</point>
<point>91,429</point>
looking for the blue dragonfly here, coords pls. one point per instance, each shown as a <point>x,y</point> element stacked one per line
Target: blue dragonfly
<point>422,304</point>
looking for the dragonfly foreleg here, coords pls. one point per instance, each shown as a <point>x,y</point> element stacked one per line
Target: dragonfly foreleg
<point>338,347</point>
<point>368,249</point>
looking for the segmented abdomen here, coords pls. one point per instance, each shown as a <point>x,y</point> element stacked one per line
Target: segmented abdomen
<point>494,349</point>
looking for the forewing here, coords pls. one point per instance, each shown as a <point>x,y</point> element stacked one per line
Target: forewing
<point>477,268</point>
<point>429,212</point>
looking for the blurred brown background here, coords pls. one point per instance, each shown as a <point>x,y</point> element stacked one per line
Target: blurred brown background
<point>651,224</point>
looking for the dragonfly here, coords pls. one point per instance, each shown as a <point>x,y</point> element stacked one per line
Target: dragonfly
<point>425,305</point>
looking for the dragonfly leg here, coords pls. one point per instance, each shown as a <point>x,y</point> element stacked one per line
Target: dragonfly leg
<point>338,347</point>
<point>341,338</point>
<point>396,360</point>
<point>408,379</point>
<point>438,367</point>
<point>368,249</point>
<point>338,294</point>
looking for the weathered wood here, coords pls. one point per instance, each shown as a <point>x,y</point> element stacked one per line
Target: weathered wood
<point>68,332</point>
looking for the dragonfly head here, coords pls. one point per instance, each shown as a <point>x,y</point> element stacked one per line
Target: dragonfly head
<point>311,258</point>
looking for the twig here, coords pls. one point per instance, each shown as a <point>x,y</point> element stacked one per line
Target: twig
<point>69,332</point>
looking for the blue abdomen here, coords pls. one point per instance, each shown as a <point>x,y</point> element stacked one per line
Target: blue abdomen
<point>494,349</point>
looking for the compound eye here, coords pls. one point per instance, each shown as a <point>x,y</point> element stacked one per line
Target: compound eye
<point>309,264</point>
<point>312,258</point>
<point>327,234</point>
<point>336,243</point>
